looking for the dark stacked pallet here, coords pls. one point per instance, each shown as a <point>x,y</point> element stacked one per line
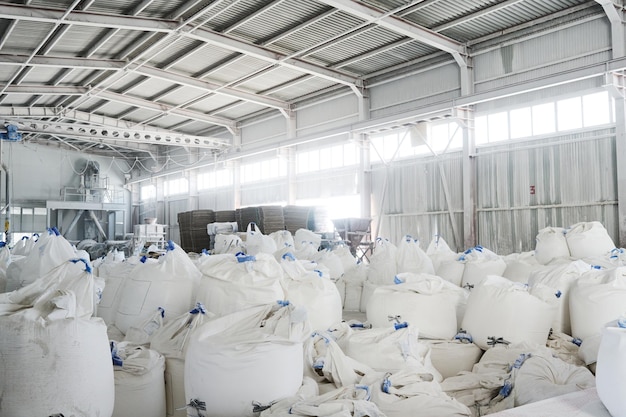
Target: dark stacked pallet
<point>193,229</point>
<point>297,217</point>
<point>225,216</point>
<point>184,227</point>
<point>272,219</point>
<point>248,215</point>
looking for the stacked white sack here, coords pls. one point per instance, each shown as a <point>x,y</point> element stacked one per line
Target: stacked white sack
<point>52,251</point>
<point>169,283</point>
<point>561,277</point>
<point>611,368</point>
<point>499,311</point>
<point>428,302</point>
<point>588,239</point>
<point>596,298</point>
<point>257,242</point>
<point>311,290</point>
<point>411,258</point>
<point>5,260</point>
<point>172,341</point>
<point>348,262</point>
<point>23,246</point>
<point>306,243</point>
<point>233,283</point>
<point>227,243</point>
<point>114,272</point>
<point>228,356</point>
<point>55,356</point>
<point>520,266</point>
<point>480,263</point>
<point>550,245</point>
<point>139,382</point>
<point>451,357</point>
<point>445,261</point>
<point>381,270</point>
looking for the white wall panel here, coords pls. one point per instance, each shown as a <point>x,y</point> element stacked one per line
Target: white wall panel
<point>328,114</point>
<point>267,129</point>
<point>221,199</point>
<point>275,192</point>
<point>324,184</point>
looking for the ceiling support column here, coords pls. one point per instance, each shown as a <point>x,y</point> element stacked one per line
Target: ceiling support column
<point>466,119</point>
<point>614,13</point>
<point>615,84</point>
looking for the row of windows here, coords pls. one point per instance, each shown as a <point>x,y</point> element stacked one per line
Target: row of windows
<point>578,112</point>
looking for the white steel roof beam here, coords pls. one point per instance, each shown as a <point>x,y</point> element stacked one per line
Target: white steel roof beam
<point>614,13</point>
<point>61,62</point>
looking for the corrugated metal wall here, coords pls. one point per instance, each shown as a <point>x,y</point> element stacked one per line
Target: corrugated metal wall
<point>414,202</point>
<point>327,183</point>
<point>574,180</point>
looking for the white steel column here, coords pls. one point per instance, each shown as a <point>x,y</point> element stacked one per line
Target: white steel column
<point>290,154</point>
<point>469,177</point>
<point>237,171</point>
<point>615,84</point>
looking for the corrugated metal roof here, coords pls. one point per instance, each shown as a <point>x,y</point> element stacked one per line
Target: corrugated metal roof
<point>262,53</point>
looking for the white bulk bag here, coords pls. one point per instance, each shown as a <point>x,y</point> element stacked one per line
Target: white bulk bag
<point>227,243</point>
<point>438,251</point>
<point>21,247</point>
<point>52,250</point>
<point>610,370</point>
<point>55,357</point>
<point>561,277</point>
<point>354,279</point>
<point>588,239</point>
<point>231,371</point>
<point>232,283</point>
<point>326,362</point>
<point>114,274</point>
<point>170,283</point>
<point>596,298</point>
<point>451,268</point>
<point>427,302</point>
<point>407,394</point>
<point>257,242</point>
<point>519,266</point>
<point>391,349</point>
<point>382,266</point>
<point>139,382</point>
<point>506,310</point>
<point>411,258</point>
<point>304,238</point>
<point>282,239</point>
<point>348,260</point>
<point>479,263</point>
<point>140,333</point>
<point>171,341</point>
<point>450,357</point>
<point>543,376</point>
<point>332,262</point>
<point>366,294</point>
<point>551,244</point>
<point>310,290</point>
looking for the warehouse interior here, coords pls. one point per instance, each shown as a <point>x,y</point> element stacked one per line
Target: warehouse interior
<point>442,135</point>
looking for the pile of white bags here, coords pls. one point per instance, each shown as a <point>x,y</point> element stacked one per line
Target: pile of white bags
<point>312,291</point>
<point>306,243</point>
<point>611,368</point>
<point>232,283</point>
<point>551,244</point>
<point>233,362</point>
<point>52,251</point>
<point>499,311</point>
<point>407,393</point>
<point>170,283</point>
<point>450,357</point>
<point>561,277</point>
<point>520,266</point>
<point>391,349</point>
<point>257,242</point>
<point>172,341</point>
<point>479,263</point>
<point>139,382</point>
<point>588,239</point>
<point>411,258</point>
<point>55,356</point>
<point>596,298</point>
<point>428,302</point>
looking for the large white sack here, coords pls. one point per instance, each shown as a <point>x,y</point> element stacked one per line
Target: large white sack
<point>382,266</point>
<point>588,239</point>
<point>348,260</point>
<point>479,263</point>
<point>499,309</point>
<point>450,357</point>
<point>561,277</point>
<point>171,341</point>
<point>114,274</point>
<point>407,394</point>
<point>411,258</point>
<point>312,291</point>
<point>52,250</point>
<point>438,250</point>
<point>232,283</point>
<point>169,283</point>
<point>230,372</point>
<point>543,376</point>
<point>354,279</point>
<point>391,349</point>
<point>257,242</point>
<point>304,238</point>
<point>452,268</point>
<point>520,266</point>
<point>140,333</point>
<point>551,244</point>
<point>21,247</point>
<point>425,301</point>
<point>329,260</point>
<point>5,260</point>
<point>366,294</point>
<point>610,370</point>
<point>52,348</point>
<point>596,298</point>
<point>139,382</point>
<point>227,243</point>
<point>326,362</point>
